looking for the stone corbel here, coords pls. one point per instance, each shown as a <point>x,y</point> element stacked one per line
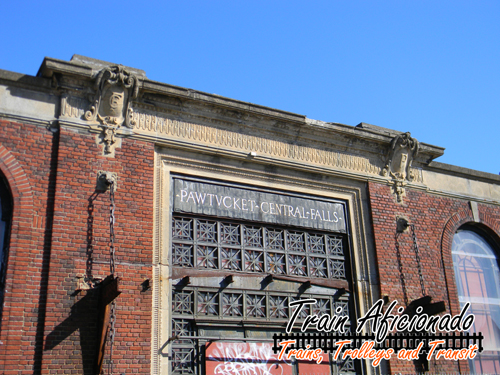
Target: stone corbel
<point>398,189</point>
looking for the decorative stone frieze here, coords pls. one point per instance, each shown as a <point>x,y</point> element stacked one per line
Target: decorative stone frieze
<point>105,98</point>
<point>163,127</point>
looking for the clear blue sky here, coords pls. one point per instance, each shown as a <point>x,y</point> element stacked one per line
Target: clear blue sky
<point>428,67</point>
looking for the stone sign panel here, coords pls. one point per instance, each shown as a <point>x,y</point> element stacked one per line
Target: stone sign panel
<point>238,203</point>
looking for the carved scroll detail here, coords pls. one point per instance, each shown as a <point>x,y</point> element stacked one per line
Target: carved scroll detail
<point>115,88</point>
<point>400,155</point>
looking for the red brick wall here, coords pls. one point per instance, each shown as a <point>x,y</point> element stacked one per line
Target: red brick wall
<point>25,162</point>
<point>436,219</point>
<point>48,326</point>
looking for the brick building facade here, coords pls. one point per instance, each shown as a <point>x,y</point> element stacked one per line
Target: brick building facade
<point>224,213</point>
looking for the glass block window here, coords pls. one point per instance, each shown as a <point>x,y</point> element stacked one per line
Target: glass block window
<point>275,240</point>
<point>182,255</point>
<point>207,257</point>
<point>206,231</point>
<point>207,247</point>
<point>183,229</point>
<point>255,305</point>
<point>232,304</point>
<point>231,259</point>
<point>229,234</point>
<point>278,306</point>
<point>254,261</point>
<point>253,236</point>
<point>208,303</point>
<point>237,247</point>
<point>184,350</point>
<point>321,307</point>
<point>297,265</point>
<point>182,302</point>
<point>316,244</point>
<point>183,360</point>
<point>295,241</point>
<point>276,263</point>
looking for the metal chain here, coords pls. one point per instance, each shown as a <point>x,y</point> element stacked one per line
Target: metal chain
<point>112,229</point>
<point>417,256</point>
<point>112,316</point>
<point>90,238</point>
<point>112,319</point>
<point>400,266</point>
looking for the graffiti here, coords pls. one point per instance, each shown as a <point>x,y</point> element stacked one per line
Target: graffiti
<point>244,359</point>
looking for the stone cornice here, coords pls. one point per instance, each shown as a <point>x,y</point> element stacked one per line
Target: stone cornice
<point>160,96</point>
<point>156,88</point>
<point>179,117</point>
<point>50,66</point>
<point>463,172</point>
<point>25,81</point>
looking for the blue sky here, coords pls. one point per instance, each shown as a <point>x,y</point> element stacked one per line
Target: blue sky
<point>428,67</point>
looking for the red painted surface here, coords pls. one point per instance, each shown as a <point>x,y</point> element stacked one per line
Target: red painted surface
<point>311,367</point>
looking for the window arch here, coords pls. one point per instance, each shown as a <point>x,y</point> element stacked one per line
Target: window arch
<point>5,219</point>
<point>477,276</point>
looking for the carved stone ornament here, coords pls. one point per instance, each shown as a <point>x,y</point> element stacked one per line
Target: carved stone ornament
<point>115,88</point>
<point>402,151</point>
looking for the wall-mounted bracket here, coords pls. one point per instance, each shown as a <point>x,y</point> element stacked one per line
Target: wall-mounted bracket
<point>146,285</point>
<point>268,279</point>
<point>106,179</point>
<point>84,283</point>
<point>184,281</point>
<point>402,224</point>
<point>304,286</point>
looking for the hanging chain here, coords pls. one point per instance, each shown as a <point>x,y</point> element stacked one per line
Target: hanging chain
<point>112,229</point>
<point>400,266</point>
<point>112,317</point>
<point>417,256</point>
<point>111,336</point>
<point>90,238</point>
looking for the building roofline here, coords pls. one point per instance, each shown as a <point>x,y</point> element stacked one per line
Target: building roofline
<point>85,68</point>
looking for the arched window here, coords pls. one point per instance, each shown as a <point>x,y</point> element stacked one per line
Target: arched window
<point>478,281</point>
<point>5,217</point>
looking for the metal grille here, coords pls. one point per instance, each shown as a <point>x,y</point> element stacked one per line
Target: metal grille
<point>232,304</point>
<point>183,328</point>
<point>255,306</point>
<point>182,302</point>
<point>183,360</point>
<point>193,303</point>
<point>210,303</point>
<point>210,244</point>
<point>321,307</point>
<point>231,247</point>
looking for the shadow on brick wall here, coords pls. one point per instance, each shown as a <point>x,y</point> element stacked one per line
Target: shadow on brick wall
<point>82,318</point>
